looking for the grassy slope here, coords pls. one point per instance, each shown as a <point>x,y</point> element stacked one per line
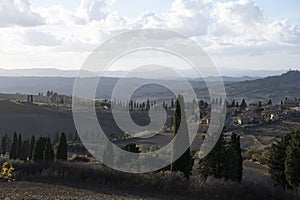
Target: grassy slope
<point>275,87</point>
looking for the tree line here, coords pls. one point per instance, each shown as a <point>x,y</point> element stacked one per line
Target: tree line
<point>223,162</point>
<point>284,161</point>
<point>41,149</point>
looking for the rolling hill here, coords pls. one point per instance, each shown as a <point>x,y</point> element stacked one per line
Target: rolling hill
<point>276,88</point>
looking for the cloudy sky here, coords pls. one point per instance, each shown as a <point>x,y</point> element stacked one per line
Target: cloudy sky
<point>242,34</point>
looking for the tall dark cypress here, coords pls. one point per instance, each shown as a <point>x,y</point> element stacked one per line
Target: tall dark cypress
<point>108,155</point>
<point>213,164</point>
<point>39,147</point>
<point>62,148</point>
<point>48,151</point>
<point>4,144</point>
<point>234,162</point>
<point>292,162</point>
<point>181,139</point>
<point>276,161</point>
<point>31,148</point>
<point>14,148</point>
<point>20,148</point>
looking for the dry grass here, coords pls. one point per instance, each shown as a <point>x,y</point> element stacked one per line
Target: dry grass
<point>170,184</point>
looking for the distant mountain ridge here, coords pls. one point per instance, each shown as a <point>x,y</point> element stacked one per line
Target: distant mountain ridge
<point>274,87</point>
<point>250,88</point>
<point>54,72</point>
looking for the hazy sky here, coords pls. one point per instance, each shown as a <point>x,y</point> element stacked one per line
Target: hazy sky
<point>244,34</point>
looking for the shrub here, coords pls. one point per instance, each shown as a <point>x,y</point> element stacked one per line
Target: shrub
<point>7,172</point>
<point>164,181</point>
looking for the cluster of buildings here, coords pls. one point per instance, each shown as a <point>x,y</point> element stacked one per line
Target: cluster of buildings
<point>255,113</point>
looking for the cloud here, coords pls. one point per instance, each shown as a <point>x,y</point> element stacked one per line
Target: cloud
<point>240,27</point>
<point>58,15</point>
<point>36,38</point>
<point>190,17</point>
<point>231,28</point>
<point>93,9</point>
<point>18,12</point>
<point>149,19</point>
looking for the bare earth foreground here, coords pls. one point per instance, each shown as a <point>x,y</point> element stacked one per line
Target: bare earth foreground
<point>57,191</point>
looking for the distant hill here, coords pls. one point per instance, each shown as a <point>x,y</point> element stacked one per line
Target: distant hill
<point>147,71</point>
<point>64,85</point>
<point>250,88</point>
<point>273,87</point>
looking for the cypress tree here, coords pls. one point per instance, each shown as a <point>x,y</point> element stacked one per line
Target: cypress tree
<point>108,155</point>
<point>39,147</point>
<point>20,148</point>
<point>270,102</point>
<point>62,148</point>
<point>243,104</point>
<point>31,148</point>
<point>4,144</point>
<point>233,103</point>
<point>48,152</point>
<point>214,162</point>
<point>238,150</point>
<point>56,138</point>
<point>14,148</point>
<point>184,162</point>
<point>292,162</point>
<point>148,105</point>
<point>276,161</point>
<point>234,161</point>
<point>25,150</point>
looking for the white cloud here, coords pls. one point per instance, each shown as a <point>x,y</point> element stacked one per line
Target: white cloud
<point>231,28</point>
<point>190,17</point>
<point>93,9</point>
<point>148,20</point>
<point>36,38</point>
<point>58,15</point>
<point>18,12</point>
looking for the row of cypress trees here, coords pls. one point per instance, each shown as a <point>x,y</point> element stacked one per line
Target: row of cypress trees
<point>284,161</point>
<point>224,161</point>
<point>38,150</point>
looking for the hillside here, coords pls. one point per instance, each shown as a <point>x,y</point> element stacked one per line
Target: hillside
<point>274,87</point>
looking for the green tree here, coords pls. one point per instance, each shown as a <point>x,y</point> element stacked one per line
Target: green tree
<point>184,162</point>
<point>213,164</point>
<point>39,147</point>
<point>4,142</point>
<point>14,148</point>
<point>20,148</point>
<point>62,148</point>
<point>292,162</point>
<point>148,105</point>
<point>269,102</point>
<point>234,161</point>
<point>56,138</point>
<point>25,150</point>
<point>108,155</point>
<point>48,152</point>
<point>259,104</point>
<point>233,103</point>
<point>243,104</point>
<point>31,148</point>
<point>276,161</point>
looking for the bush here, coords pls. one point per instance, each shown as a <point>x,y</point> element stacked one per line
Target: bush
<point>173,182</point>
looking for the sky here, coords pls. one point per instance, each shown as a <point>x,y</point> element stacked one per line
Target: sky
<point>236,34</point>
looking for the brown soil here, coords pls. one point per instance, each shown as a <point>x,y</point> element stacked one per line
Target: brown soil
<point>58,191</point>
